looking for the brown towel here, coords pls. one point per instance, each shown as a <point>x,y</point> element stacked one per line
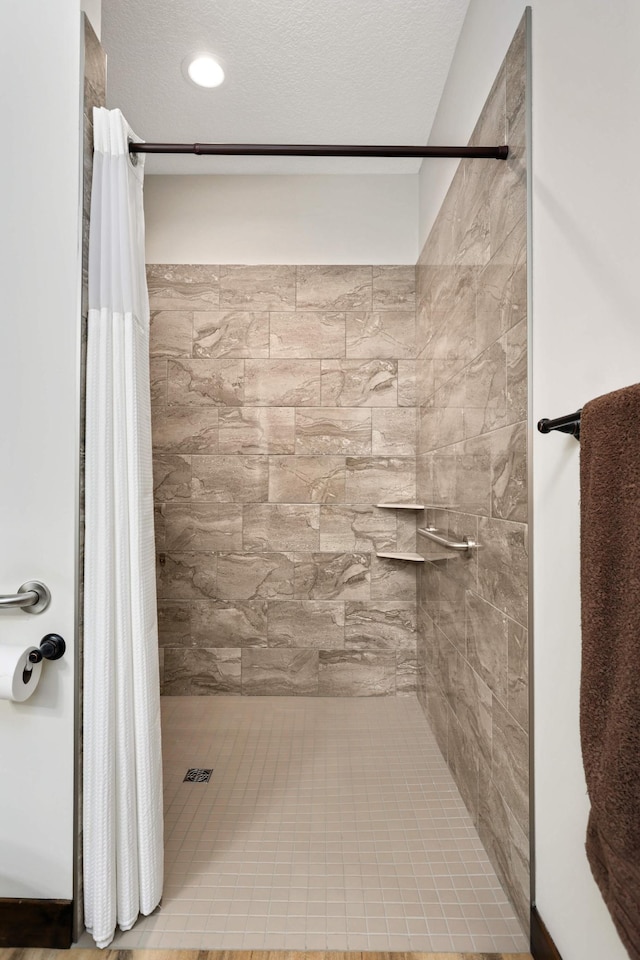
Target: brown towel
<point>610,686</point>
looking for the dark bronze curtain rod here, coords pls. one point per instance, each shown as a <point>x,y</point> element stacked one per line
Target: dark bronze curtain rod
<point>309,150</point>
<point>568,424</point>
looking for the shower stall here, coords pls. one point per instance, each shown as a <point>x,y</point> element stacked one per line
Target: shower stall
<point>345,702</point>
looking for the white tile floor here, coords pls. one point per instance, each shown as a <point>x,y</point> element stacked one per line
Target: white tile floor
<point>328,824</point>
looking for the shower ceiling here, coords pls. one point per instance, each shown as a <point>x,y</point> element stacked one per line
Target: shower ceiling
<point>297,71</point>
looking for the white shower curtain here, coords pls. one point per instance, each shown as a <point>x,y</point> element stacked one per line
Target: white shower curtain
<point>122,786</point>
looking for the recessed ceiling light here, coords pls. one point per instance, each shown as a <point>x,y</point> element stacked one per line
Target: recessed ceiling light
<point>205,71</point>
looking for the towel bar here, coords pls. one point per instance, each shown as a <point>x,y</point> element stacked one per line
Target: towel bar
<point>570,424</point>
<point>467,543</point>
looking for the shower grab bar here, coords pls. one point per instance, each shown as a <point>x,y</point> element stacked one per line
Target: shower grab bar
<point>467,543</point>
<point>32,597</point>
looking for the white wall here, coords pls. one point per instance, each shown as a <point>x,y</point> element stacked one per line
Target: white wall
<point>586,341</point>
<point>39,324</point>
<point>282,219</point>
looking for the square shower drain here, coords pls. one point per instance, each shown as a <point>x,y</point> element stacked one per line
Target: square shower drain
<point>198,775</point>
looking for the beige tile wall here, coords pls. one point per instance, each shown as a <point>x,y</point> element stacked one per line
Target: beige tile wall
<point>283,411</point>
<point>472,452</point>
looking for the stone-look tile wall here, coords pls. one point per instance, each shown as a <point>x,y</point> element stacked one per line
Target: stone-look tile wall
<point>472,450</point>
<point>95,78</point>
<point>283,411</point>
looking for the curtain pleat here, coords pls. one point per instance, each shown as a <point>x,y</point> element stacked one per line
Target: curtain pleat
<point>122,784</point>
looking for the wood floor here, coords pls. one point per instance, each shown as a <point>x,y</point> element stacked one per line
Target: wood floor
<point>32,954</point>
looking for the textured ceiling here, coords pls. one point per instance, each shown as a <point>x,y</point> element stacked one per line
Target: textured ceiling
<point>297,71</point>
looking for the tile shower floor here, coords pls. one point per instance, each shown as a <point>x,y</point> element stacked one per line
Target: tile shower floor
<point>328,824</point>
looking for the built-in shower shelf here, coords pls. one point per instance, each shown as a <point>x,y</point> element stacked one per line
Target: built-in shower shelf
<point>417,506</point>
<point>410,557</point>
<point>400,506</point>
